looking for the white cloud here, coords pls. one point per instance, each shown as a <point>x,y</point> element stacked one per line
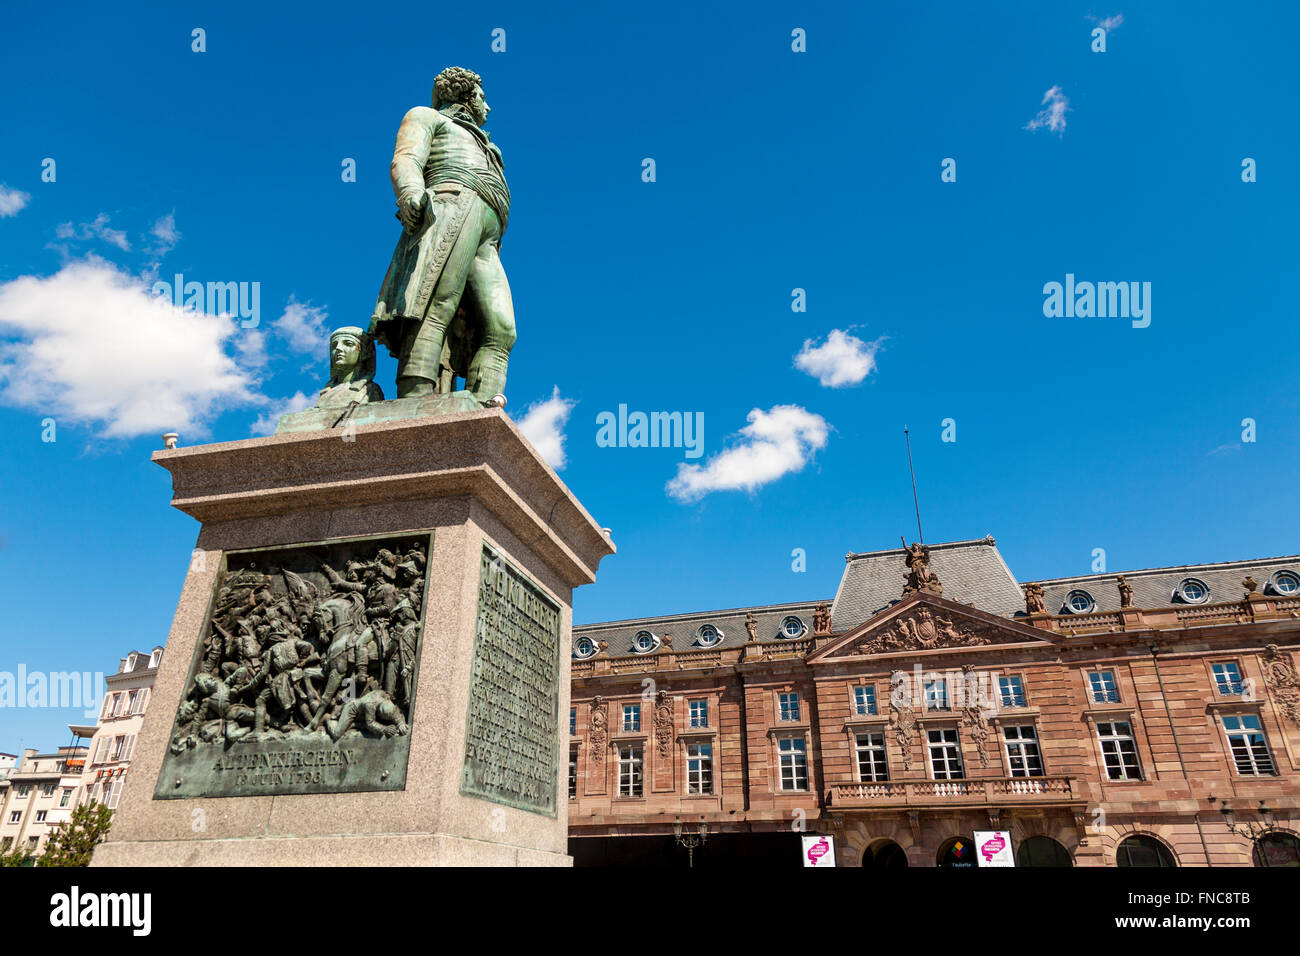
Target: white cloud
<point>1053,116</point>
<point>99,229</point>
<point>843,359</point>
<point>90,344</point>
<point>774,443</point>
<point>12,201</point>
<point>543,425</point>
<point>1109,23</point>
<point>266,422</point>
<point>303,327</point>
<point>165,235</point>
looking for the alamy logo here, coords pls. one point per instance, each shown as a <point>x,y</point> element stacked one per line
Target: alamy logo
<point>242,299</point>
<point>75,908</point>
<point>653,430</point>
<point>1102,300</point>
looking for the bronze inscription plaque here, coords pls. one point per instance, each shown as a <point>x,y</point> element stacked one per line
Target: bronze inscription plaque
<point>304,679</point>
<point>511,732</point>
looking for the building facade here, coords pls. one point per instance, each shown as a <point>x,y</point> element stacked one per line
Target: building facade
<point>112,739</point>
<point>1099,720</point>
<point>39,793</point>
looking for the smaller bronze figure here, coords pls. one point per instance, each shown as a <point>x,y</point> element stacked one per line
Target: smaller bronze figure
<point>1034,603</point>
<point>1125,592</point>
<point>352,368</point>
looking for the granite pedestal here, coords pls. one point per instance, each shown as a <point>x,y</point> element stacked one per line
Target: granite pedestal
<point>473,483</point>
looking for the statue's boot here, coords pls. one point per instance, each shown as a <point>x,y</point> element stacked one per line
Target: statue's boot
<point>414,386</point>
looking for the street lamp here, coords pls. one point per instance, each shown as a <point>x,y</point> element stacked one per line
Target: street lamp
<point>690,840</point>
<point>1253,830</point>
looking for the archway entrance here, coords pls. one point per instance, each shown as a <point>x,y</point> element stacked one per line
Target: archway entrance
<point>1042,851</point>
<point>958,853</point>
<point>884,855</point>
<point>1277,849</point>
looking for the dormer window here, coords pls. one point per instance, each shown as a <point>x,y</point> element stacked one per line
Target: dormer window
<point>1080,602</point>
<point>1193,591</point>
<point>708,636</point>
<point>155,657</point>
<point>1284,582</point>
<point>792,627</point>
<point>583,648</point>
<point>644,642</point>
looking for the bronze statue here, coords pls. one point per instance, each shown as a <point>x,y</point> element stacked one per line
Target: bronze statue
<point>445,303</point>
<point>352,366</point>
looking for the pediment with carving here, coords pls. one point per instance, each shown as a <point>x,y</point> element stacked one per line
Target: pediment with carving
<point>928,623</point>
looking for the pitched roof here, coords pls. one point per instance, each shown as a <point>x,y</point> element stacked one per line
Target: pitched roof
<point>971,572</point>
<point>684,627</point>
<point>1156,587</point>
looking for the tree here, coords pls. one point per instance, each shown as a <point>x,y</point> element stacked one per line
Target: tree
<point>73,841</point>
<point>16,858</point>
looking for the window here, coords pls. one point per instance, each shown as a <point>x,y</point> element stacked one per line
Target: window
<point>47,790</point>
<point>699,768</point>
<point>708,636</point>
<point>32,843</point>
<point>1102,685</point>
<point>936,695</point>
<point>1080,602</point>
<point>110,702</point>
<point>573,721</point>
<point>1012,691</point>
<point>573,773</point>
<point>67,795</point>
<point>793,627</point>
<point>155,657</point>
<point>583,648</point>
<point>101,749</point>
<point>15,816</point>
<point>789,701</point>
<point>5,844</point>
<point>631,717</point>
<point>793,754</point>
<point>945,754</point>
<point>22,791</point>
<point>864,700</point>
<point>135,705</point>
<point>644,642</point>
<point>118,701</point>
<point>1227,678</point>
<point>699,713</point>
<point>872,766</point>
<point>1284,582</point>
<point>40,815</point>
<point>1249,748</point>
<point>1139,850</point>
<point>629,771</point>
<point>117,792</point>
<point>1119,751</point>
<point>1193,591</point>
<point>1022,751</point>
<point>121,747</point>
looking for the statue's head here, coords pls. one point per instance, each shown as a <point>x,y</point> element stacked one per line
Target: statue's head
<point>459,85</point>
<point>352,355</point>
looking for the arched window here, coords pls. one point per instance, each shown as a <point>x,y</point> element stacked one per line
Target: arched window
<point>1140,850</point>
<point>1277,849</point>
<point>1042,851</point>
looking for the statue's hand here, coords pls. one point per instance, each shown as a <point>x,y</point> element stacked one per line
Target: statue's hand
<point>411,210</point>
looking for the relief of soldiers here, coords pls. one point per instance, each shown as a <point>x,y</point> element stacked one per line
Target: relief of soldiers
<point>275,638</point>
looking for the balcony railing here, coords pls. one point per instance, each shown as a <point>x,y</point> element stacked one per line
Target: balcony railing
<point>992,791</point>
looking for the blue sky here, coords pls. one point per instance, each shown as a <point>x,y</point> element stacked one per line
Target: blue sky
<point>774,171</point>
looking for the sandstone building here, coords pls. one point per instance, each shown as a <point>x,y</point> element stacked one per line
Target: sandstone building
<point>1102,720</point>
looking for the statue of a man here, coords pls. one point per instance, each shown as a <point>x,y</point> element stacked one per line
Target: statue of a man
<point>352,366</point>
<point>453,202</point>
